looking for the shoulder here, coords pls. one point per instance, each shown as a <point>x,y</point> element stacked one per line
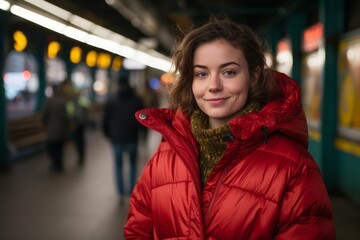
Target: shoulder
<point>283,147</point>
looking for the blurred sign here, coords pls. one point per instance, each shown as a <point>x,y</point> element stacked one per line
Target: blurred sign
<point>284,57</point>
<point>312,37</point>
<point>349,88</point>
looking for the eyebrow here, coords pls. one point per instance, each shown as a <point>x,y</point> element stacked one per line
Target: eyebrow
<point>221,66</point>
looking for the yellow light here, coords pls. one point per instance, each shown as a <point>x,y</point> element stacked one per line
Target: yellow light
<point>53,49</point>
<point>91,59</point>
<point>75,55</point>
<point>117,63</point>
<point>104,60</point>
<point>20,41</point>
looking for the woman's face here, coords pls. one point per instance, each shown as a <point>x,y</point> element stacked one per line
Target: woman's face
<point>221,81</point>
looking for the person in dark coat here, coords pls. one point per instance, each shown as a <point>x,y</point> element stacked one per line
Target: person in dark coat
<point>121,128</point>
<point>78,108</point>
<point>56,122</point>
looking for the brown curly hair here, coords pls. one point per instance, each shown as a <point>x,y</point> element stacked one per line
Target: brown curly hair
<point>240,36</point>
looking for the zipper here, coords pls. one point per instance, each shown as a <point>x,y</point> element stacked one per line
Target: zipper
<point>214,196</point>
<point>265,131</point>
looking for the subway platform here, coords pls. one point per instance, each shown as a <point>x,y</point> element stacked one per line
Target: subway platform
<point>82,203</point>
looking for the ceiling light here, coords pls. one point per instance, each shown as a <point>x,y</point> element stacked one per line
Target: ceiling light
<point>4,5</point>
<point>48,7</point>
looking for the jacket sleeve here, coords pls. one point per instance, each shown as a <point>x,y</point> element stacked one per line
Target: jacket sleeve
<point>305,211</point>
<point>139,223</point>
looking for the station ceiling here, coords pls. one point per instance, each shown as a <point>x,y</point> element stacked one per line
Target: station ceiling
<point>159,22</point>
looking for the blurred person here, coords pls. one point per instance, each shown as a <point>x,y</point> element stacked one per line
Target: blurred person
<point>78,111</point>
<point>56,123</point>
<point>233,162</point>
<point>121,128</point>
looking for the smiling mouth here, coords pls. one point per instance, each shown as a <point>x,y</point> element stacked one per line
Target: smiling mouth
<point>216,101</point>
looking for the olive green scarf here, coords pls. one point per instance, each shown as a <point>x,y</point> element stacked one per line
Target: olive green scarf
<point>210,141</point>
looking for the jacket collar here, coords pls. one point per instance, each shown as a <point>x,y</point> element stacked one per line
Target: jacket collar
<point>176,130</point>
<point>284,114</point>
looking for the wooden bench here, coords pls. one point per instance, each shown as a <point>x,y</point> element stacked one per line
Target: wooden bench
<point>26,131</point>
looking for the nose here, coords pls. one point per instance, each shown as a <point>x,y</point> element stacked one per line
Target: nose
<point>215,83</point>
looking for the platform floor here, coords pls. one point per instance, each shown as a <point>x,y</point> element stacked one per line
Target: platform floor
<point>82,204</point>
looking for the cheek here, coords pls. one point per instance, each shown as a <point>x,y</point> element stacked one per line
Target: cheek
<point>197,89</point>
<point>240,89</point>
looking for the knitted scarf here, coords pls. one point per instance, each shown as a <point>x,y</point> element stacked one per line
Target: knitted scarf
<point>210,141</point>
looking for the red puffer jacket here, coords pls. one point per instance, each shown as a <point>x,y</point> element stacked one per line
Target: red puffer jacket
<point>266,186</point>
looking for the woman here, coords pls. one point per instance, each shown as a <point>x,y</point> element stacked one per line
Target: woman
<point>233,162</point>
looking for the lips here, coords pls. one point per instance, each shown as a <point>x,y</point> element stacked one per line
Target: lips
<point>216,101</point>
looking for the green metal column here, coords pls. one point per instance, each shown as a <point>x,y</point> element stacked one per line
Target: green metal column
<point>65,55</point>
<point>40,58</point>
<point>332,16</point>
<point>273,38</point>
<point>295,28</point>
<point>3,123</point>
<point>92,91</point>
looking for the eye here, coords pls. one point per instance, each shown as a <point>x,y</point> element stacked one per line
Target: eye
<point>229,73</point>
<point>200,74</point>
